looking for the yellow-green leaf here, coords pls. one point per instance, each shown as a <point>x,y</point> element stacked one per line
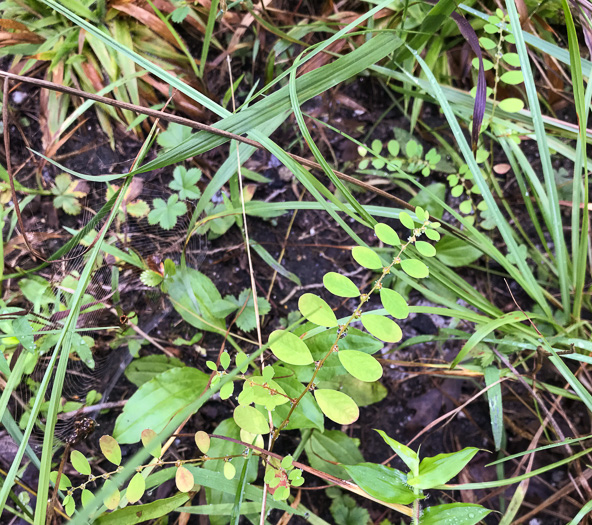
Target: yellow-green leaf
<point>386,234</point>
<point>250,419</point>
<point>340,285</point>
<point>360,365</point>
<point>337,406</point>
<point>316,310</point>
<point>135,489</point>
<point>382,328</point>
<point>79,462</point>
<point>229,470</point>
<point>414,268</point>
<point>110,449</point>
<point>289,348</point>
<point>184,479</point>
<point>366,257</point>
<point>394,303</point>
<point>151,442</point>
<point>202,440</point>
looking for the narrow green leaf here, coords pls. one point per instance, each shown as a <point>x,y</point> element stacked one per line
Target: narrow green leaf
<point>382,482</point>
<point>457,513</point>
<point>437,470</point>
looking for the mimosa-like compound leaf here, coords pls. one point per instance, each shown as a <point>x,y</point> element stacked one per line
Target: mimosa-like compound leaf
<point>289,348</point>
<point>316,310</point>
<point>337,406</point>
<point>382,328</point>
<point>340,285</point>
<point>360,365</point>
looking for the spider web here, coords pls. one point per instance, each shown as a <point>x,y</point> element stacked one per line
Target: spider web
<point>131,247</point>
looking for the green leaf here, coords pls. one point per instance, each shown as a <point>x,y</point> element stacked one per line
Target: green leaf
<point>167,213</point>
<point>151,442</point>
<point>151,278</point>
<point>512,77</point>
<point>306,414</point>
<point>337,406</point>
<point>64,480</point>
<point>360,365</point>
<point>142,370</point>
<point>112,496</point>
<point>425,248</point>
<point>385,483</point>
<point>247,320</point>
<point>325,449</point>
<point>143,513</point>
<point>250,419</point>
<point>135,489</point>
<point>367,258</point>
<point>457,513</point>
<point>362,393</point>
<point>408,456</point>
<point>179,14</point>
<point>24,333</point>
<point>229,470</point>
<point>184,181</point>
<point>394,303</point>
<point>437,470</point>
<point>86,497</point>
<point>340,285</point>
<point>157,401</point>
<point>316,310</point>
<point>511,105</point>
<point>382,328</point>
<point>414,268</point>
<point>386,234</point>
<point>406,220</point>
<point>80,463</point>
<point>110,449</point>
<point>289,348</point>
<point>455,252</point>
<point>433,235</point>
<point>512,58</point>
<point>487,43</point>
<point>173,136</point>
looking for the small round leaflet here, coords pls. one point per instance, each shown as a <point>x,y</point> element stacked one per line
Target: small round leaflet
<point>202,440</point>
<point>360,365</point>
<point>367,258</point>
<point>250,419</point>
<point>425,248</point>
<point>414,268</point>
<point>289,348</point>
<point>135,489</point>
<point>340,285</point>
<point>110,449</point>
<point>337,406</point>
<point>382,328</point>
<point>386,234</point>
<point>184,479</point>
<point>229,470</point>
<point>113,496</point>
<point>394,303</point>
<point>317,311</point>
<point>151,442</point>
<point>80,463</point>
<point>406,220</point>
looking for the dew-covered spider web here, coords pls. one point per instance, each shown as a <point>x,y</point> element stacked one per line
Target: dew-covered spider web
<point>123,301</point>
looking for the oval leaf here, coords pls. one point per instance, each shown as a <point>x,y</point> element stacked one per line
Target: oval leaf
<point>113,495</point>
<point>414,268</point>
<point>86,497</point>
<point>229,470</point>
<point>202,440</point>
<point>135,489</point>
<point>440,469</point>
<point>316,310</point>
<point>340,285</point>
<point>80,463</point>
<point>289,348</point>
<point>387,235</point>
<point>511,105</point>
<point>110,449</point>
<point>250,419</point>
<point>394,303</point>
<point>184,479</point>
<point>457,513</point>
<point>512,77</point>
<point>367,258</point>
<point>382,328</point>
<point>360,365</point>
<point>151,442</point>
<point>425,248</point>
<point>337,406</point>
<point>406,220</point>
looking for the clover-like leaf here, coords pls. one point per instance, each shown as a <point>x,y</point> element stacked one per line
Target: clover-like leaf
<point>184,181</point>
<point>337,406</point>
<point>110,449</point>
<point>173,136</point>
<point>382,328</point>
<point>289,348</point>
<point>67,193</point>
<point>340,285</point>
<point>167,213</point>
<point>316,310</point>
